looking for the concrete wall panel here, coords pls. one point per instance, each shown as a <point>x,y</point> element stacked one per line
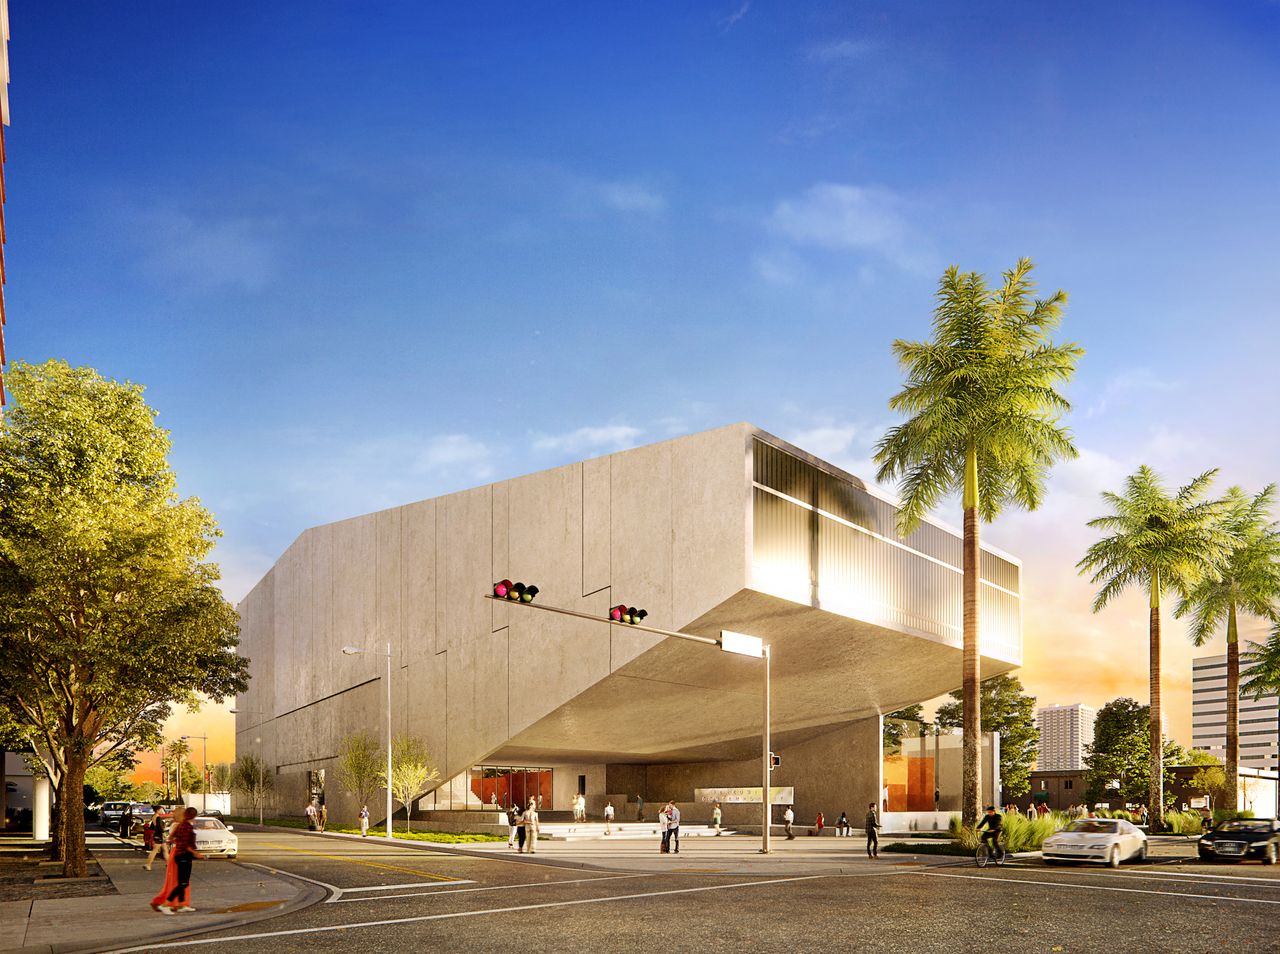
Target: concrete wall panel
<point>419,603</point>
<point>596,524</point>
<point>387,627</point>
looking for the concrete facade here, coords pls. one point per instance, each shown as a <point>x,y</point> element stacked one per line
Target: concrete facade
<point>727,529</point>
<point>1065,732</point>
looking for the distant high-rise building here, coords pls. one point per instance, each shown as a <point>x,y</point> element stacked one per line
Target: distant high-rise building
<point>1209,715</point>
<point>1064,733</point>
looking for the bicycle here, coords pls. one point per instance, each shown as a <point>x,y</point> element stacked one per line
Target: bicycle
<point>985,854</point>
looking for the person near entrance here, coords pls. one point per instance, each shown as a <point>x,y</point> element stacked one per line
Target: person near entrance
<point>514,829</point>
<point>312,814</point>
<point>673,826</point>
<point>872,825</point>
<point>716,817</point>
<point>788,819</point>
<point>664,826</point>
<point>608,818</point>
<point>531,826</point>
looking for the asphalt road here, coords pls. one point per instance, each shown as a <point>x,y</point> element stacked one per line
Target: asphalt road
<point>384,898</point>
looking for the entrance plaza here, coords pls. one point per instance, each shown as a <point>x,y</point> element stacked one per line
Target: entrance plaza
<point>729,529</point>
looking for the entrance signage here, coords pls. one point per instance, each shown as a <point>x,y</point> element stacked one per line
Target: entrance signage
<point>778,795</point>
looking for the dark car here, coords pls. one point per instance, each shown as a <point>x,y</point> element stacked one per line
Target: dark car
<point>1242,838</point>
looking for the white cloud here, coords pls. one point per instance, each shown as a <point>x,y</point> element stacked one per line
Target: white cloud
<point>844,50</point>
<point>206,253</point>
<point>839,217</point>
<point>455,451</point>
<point>728,22</point>
<point>592,198</point>
<point>780,266</point>
<point>1125,385</point>
<point>610,437</point>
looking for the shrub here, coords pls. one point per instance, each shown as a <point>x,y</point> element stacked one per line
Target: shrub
<point>1183,823</point>
<point>1227,814</point>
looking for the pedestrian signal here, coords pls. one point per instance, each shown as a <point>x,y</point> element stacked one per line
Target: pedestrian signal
<point>627,614</point>
<point>774,761</point>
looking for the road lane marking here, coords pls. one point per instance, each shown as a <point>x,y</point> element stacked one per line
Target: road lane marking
<point>1172,877</point>
<point>445,889</point>
<point>358,861</point>
<point>420,884</point>
<point>333,889</point>
<point>1098,887</point>
<point>461,914</point>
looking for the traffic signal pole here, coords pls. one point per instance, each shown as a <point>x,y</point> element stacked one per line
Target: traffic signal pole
<point>766,762</point>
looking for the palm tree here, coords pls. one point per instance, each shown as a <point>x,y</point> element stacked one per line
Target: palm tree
<point>984,413</point>
<point>1164,544</point>
<point>1245,580</point>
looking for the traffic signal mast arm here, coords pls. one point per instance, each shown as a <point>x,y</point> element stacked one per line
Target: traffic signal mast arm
<point>605,619</point>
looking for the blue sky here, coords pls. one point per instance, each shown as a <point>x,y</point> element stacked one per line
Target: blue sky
<point>368,253</point>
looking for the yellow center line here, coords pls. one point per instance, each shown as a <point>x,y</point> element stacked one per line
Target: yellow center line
<point>358,861</point>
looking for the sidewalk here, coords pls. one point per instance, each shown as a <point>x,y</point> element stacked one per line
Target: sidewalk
<point>727,854</point>
<point>224,894</point>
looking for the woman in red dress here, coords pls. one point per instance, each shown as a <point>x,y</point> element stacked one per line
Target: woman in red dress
<point>175,896</point>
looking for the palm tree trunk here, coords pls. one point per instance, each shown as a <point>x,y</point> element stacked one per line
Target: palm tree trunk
<point>1155,789</point>
<point>971,715</point>
<point>1230,798</point>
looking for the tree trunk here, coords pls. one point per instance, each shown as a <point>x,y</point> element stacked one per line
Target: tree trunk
<point>971,712</point>
<point>1230,798</point>
<point>57,839</point>
<point>74,862</point>
<point>1155,788</point>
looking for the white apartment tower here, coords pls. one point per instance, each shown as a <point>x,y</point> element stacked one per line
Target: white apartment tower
<point>1064,733</point>
<point>1258,729</point>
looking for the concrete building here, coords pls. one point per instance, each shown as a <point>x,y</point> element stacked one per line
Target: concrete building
<point>1064,733</point>
<point>727,529</point>
<point>1258,718</point>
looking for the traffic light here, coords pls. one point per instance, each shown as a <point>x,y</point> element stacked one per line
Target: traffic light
<point>627,614</point>
<point>505,589</point>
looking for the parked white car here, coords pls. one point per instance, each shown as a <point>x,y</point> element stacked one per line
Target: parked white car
<point>1107,841</point>
<point>214,838</point>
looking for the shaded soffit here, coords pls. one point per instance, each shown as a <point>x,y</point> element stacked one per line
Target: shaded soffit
<point>685,701</point>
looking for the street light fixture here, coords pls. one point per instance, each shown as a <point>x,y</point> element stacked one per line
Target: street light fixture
<point>737,643</point>
<point>357,651</point>
<point>204,754</point>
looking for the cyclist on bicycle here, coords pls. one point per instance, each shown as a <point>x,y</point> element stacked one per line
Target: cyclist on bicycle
<point>991,821</point>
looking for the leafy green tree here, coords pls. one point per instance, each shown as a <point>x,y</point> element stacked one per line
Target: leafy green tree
<point>109,611</point>
<point>984,419</point>
<point>1120,753</point>
<point>412,772</point>
<point>1008,710</point>
<point>253,778</point>
<point>109,779</point>
<point>220,776</point>
<point>1161,543</point>
<point>1246,579</point>
<point>361,767</point>
<point>1210,781</point>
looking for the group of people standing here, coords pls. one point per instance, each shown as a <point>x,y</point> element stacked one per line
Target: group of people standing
<point>317,815</point>
<point>523,827</point>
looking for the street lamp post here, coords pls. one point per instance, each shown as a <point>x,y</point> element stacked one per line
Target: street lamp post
<point>204,755</point>
<point>357,651</point>
<point>737,643</point>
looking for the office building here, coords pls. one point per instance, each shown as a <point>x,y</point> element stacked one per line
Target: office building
<point>1065,731</point>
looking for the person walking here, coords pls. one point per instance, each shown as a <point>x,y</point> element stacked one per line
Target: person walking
<point>157,846</point>
<point>608,818</point>
<point>872,825</point>
<point>1031,811</point>
<point>126,821</point>
<point>323,816</point>
<point>716,816</point>
<point>788,819</point>
<point>531,826</point>
<point>312,815</point>
<point>673,826</point>
<point>364,821</point>
<point>513,825</point>
<point>664,826</point>
<point>519,824</point>
<point>175,895</point>
<point>640,808</point>
<point>842,826</point>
